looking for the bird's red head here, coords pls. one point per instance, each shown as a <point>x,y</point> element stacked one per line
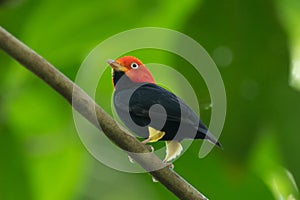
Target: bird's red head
<point>133,68</point>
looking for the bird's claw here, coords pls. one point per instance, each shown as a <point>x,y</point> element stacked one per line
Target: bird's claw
<point>170,165</point>
<point>151,148</point>
<point>154,179</point>
<point>130,159</point>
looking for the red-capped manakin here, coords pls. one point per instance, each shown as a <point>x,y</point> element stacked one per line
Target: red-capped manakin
<point>136,92</point>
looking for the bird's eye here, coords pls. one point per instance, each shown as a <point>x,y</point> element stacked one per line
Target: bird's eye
<point>134,65</point>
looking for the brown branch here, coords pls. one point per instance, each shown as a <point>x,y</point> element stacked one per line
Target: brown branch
<point>95,114</point>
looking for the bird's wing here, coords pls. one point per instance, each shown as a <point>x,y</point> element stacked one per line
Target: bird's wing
<point>176,112</point>
<point>143,98</point>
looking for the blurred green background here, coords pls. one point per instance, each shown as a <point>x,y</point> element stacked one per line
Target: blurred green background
<point>256,46</point>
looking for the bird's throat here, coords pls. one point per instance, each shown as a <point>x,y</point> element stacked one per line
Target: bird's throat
<point>120,80</point>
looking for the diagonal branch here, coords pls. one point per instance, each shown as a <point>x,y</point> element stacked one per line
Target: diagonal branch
<point>95,114</point>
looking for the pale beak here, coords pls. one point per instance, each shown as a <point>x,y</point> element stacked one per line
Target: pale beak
<point>116,66</point>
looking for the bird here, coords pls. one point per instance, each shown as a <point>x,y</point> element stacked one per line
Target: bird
<point>151,111</point>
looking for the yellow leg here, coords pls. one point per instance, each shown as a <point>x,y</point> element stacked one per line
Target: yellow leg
<point>154,135</point>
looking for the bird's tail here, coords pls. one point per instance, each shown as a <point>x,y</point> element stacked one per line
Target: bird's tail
<point>210,137</point>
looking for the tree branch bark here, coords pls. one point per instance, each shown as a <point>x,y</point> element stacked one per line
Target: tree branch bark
<point>95,114</point>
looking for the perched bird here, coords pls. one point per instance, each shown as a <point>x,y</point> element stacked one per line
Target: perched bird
<point>151,111</point>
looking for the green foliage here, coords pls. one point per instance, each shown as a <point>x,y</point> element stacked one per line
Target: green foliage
<point>252,42</point>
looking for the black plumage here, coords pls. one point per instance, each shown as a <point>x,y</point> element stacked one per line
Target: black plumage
<point>140,105</point>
